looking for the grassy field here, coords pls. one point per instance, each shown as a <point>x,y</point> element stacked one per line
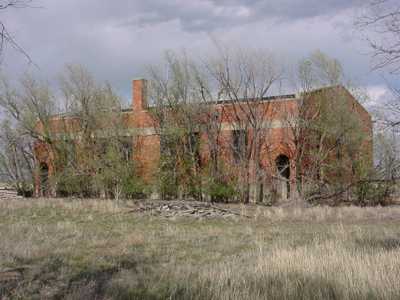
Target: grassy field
<point>97,249</point>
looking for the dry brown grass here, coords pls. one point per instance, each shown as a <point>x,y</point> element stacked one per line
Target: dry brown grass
<point>84,249</point>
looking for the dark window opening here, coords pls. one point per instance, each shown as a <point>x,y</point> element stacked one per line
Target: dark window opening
<point>70,150</point>
<point>283,167</point>
<point>261,193</point>
<point>44,179</point>
<point>126,149</point>
<point>123,147</point>
<point>101,145</point>
<point>240,142</point>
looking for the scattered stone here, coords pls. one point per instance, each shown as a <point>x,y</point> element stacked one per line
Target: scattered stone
<point>192,209</point>
<point>8,194</point>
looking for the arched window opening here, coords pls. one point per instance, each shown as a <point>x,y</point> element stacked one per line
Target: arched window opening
<point>283,167</point>
<point>44,179</point>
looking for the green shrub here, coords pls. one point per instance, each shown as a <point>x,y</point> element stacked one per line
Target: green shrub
<point>25,189</point>
<point>134,188</point>
<point>167,178</point>
<point>220,191</point>
<point>75,185</point>
<point>373,193</point>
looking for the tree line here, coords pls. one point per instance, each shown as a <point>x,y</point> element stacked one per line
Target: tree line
<point>92,152</point>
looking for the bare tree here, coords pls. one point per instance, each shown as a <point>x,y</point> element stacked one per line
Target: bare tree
<point>178,117</point>
<point>85,149</point>
<point>245,78</point>
<point>326,131</point>
<point>100,157</point>
<point>200,98</point>
<point>386,155</point>
<point>213,114</point>
<point>6,38</point>
<point>16,160</point>
<point>315,72</point>
<point>24,108</point>
<point>381,23</point>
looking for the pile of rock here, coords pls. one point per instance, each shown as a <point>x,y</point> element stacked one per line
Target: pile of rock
<point>8,194</point>
<point>170,209</point>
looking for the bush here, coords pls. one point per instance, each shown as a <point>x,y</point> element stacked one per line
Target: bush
<point>373,193</point>
<point>134,188</point>
<point>220,191</point>
<point>75,185</point>
<point>25,190</point>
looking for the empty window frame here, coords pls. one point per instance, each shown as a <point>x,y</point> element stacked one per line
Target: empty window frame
<point>239,144</point>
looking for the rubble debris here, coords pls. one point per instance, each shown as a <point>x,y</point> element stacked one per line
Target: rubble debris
<point>8,194</point>
<point>192,209</point>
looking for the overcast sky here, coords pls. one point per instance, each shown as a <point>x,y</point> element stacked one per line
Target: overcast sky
<point>116,40</point>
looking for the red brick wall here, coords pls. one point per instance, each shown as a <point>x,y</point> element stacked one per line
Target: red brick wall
<point>278,140</point>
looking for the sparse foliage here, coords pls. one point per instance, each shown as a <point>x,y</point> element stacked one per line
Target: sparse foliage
<point>189,110</point>
<point>381,23</point>
<point>23,108</point>
<point>329,138</point>
<point>6,38</point>
<point>86,147</point>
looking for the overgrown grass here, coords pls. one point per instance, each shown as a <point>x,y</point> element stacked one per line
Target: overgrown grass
<point>96,249</point>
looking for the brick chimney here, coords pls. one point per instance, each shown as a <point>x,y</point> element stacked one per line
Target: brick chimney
<point>139,94</point>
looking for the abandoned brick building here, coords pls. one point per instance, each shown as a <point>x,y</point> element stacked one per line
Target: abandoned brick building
<point>278,156</point>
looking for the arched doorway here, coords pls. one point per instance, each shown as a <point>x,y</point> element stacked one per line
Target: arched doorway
<point>283,167</point>
<point>44,179</point>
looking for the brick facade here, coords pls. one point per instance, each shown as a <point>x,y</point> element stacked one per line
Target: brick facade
<point>278,140</point>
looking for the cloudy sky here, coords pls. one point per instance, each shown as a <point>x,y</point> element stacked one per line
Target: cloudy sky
<point>116,40</point>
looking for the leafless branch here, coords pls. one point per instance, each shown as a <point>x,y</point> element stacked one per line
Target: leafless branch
<point>6,37</point>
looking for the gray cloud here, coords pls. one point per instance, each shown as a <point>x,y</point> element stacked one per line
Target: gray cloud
<point>117,39</point>
<point>212,15</point>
